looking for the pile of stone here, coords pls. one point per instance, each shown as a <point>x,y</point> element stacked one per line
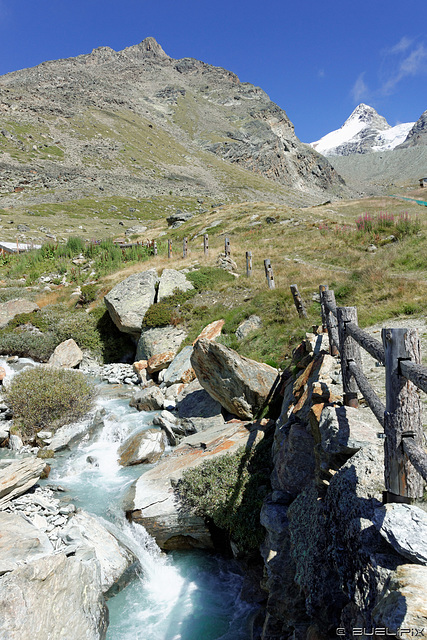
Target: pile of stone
<point>114,373</point>
<point>47,513</point>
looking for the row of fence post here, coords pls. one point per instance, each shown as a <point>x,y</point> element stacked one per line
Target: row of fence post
<point>402,415</point>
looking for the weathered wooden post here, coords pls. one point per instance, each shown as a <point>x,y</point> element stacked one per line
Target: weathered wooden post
<point>185,247</point>
<point>206,245</point>
<point>169,249</point>
<point>402,418</point>
<point>331,322</point>
<point>298,301</point>
<point>269,274</point>
<point>227,249</point>
<point>349,351</point>
<point>248,263</point>
<point>323,310</point>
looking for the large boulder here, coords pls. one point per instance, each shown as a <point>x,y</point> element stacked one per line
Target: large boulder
<point>20,542</point>
<point>67,354</point>
<point>152,501</point>
<point>53,597</point>
<point>128,301</point>
<point>239,384</point>
<point>404,526</point>
<point>159,340</point>
<point>86,535</point>
<point>172,280</point>
<point>142,447</point>
<point>149,399</point>
<point>12,308</point>
<point>18,477</point>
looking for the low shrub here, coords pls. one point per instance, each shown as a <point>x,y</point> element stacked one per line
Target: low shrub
<point>230,491</point>
<point>42,397</point>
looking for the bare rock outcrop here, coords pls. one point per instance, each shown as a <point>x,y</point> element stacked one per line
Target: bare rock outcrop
<point>128,301</point>
<point>53,597</point>
<point>18,477</point>
<point>239,384</point>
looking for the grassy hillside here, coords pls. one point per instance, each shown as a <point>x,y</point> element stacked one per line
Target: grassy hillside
<point>311,246</point>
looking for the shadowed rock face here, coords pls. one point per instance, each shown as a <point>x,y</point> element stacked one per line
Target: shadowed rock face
<point>417,135</point>
<point>239,384</point>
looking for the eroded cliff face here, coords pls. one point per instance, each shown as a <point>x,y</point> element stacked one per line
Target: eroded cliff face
<point>328,565</point>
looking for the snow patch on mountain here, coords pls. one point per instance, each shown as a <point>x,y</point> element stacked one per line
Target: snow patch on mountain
<point>365,131</point>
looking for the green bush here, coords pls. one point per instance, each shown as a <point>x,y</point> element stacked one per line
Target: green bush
<point>43,397</point>
<point>230,491</point>
<point>88,293</point>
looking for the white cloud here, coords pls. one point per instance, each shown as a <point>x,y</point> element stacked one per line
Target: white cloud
<point>360,89</point>
<point>321,73</point>
<point>413,63</point>
<point>402,46</point>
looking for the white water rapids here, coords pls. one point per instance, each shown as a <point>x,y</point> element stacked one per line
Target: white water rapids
<point>181,596</point>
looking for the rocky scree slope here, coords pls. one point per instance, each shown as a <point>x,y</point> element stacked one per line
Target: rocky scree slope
<point>141,123</point>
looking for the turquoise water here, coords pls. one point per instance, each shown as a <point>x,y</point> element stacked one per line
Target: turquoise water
<point>181,596</point>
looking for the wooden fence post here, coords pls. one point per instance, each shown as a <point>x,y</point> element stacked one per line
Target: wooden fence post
<point>298,301</point>
<point>227,249</point>
<point>169,249</point>
<point>331,322</point>
<point>402,418</point>
<point>185,247</point>
<point>206,245</point>
<point>269,274</point>
<point>349,350</point>
<point>322,289</point>
<point>248,263</point>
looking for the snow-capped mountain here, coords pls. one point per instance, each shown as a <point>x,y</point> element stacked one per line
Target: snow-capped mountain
<point>365,131</point>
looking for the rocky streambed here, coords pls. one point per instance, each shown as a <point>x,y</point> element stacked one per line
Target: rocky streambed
<point>68,533</point>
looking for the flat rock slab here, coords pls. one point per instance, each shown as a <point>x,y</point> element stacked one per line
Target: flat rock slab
<point>18,477</point>
<point>12,308</point>
<point>346,430</point>
<point>20,542</point>
<point>180,369</point>
<point>404,526</point>
<point>53,597</point>
<point>153,503</point>
<point>170,281</point>
<point>86,532</point>
<point>128,301</point>
<point>403,605</point>
<point>69,434</point>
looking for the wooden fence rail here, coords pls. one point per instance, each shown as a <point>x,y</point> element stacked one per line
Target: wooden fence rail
<point>405,460</point>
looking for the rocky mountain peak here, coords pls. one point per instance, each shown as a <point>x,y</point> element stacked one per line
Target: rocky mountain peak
<point>148,48</point>
<point>365,113</point>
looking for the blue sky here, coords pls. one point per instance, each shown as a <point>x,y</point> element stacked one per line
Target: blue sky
<point>317,60</point>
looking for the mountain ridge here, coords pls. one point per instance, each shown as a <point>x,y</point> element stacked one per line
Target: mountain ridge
<point>158,125</point>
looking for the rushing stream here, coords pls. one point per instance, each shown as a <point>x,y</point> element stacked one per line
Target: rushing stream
<point>181,596</point>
